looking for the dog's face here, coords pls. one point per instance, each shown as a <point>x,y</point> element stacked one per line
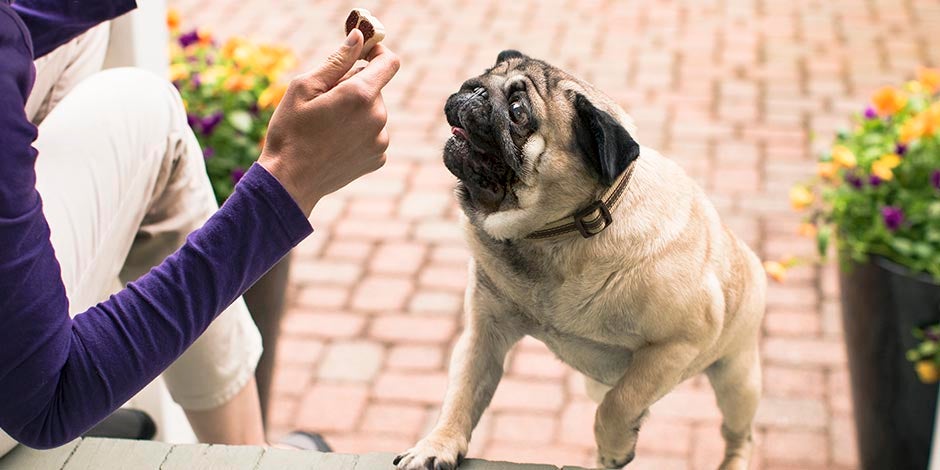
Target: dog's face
<point>531,144</point>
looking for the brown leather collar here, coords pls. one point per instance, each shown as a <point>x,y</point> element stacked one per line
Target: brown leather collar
<point>594,218</point>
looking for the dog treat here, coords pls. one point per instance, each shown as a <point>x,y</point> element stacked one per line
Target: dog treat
<point>373,32</point>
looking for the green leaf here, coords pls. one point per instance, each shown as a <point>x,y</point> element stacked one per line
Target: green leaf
<point>240,120</point>
<point>822,239</point>
<point>913,356</point>
<point>903,246</point>
<point>927,349</point>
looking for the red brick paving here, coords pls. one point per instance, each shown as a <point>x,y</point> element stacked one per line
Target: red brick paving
<point>740,92</point>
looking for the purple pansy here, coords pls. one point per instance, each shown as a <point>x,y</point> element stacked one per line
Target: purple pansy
<point>900,149</point>
<point>870,113</point>
<point>193,121</point>
<point>196,80</point>
<point>874,180</point>
<point>935,179</point>
<point>210,122</point>
<point>237,175</point>
<point>853,179</point>
<point>892,216</point>
<point>208,153</point>
<point>189,38</point>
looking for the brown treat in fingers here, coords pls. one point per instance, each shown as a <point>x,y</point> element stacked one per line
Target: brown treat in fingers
<point>373,32</point>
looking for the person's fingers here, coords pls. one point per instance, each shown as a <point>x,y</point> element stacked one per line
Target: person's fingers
<point>379,71</point>
<point>376,50</point>
<point>383,140</point>
<point>331,72</point>
<point>353,71</point>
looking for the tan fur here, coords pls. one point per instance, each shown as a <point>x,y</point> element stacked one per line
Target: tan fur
<point>665,293</point>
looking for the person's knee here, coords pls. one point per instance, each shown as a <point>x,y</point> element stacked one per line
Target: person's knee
<point>136,93</point>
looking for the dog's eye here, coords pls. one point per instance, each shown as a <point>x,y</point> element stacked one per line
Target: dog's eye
<point>517,112</point>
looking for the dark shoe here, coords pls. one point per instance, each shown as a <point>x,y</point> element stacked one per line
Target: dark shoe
<point>125,423</point>
<point>302,440</point>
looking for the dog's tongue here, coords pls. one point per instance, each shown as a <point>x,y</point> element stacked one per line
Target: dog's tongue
<point>460,132</point>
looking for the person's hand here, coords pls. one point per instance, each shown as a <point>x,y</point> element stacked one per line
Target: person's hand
<point>330,127</point>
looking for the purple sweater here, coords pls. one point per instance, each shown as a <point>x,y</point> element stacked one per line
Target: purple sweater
<point>60,376</point>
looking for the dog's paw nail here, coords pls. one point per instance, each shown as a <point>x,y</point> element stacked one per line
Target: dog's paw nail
<point>397,459</point>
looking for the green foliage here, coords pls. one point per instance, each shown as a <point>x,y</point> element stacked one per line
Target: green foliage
<point>879,186</point>
<point>230,94</point>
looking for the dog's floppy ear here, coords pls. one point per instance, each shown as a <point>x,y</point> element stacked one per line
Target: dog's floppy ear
<point>606,146</point>
<point>509,54</point>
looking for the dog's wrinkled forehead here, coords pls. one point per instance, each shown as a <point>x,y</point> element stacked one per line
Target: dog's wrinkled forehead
<point>512,67</point>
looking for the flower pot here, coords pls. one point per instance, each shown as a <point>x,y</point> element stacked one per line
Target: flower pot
<point>882,303</point>
<point>265,300</point>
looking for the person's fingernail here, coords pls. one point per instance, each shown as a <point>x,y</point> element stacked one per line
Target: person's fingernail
<point>351,39</point>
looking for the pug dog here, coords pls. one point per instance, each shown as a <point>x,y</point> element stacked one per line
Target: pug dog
<point>599,247</point>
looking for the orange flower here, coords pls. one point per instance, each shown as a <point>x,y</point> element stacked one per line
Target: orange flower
<point>204,35</point>
<point>807,230</point>
<point>776,270</point>
<point>826,170</point>
<point>228,49</point>
<point>800,197</point>
<point>929,78</point>
<point>888,100</point>
<point>173,19</point>
<point>927,371</point>
<point>236,83</point>
<point>272,96</point>
<point>843,157</point>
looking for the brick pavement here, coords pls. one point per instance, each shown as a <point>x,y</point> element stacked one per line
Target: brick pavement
<point>741,93</point>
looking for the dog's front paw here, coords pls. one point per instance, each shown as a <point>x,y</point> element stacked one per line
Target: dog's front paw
<point>433,453</point>
<point>613,459</point>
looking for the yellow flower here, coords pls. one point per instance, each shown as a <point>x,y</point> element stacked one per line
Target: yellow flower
<point>212,74</point>
<point>245,54</point>
<point>178,72</point>
<point>776,270</point>
<point>826,170</point>
<point>807,230</point>
<point>185,104</point>
<point>800,197</point>
<point>929,78</point>
<point>888,100</point>
<point>883,166</point>
<point>927,371</point>
<point>236,83</point>
<point>173,19</point>
<point>914,87</point>
<point>272,96</point>
<point>913,129</point>
<point>205,36</point>
<point>843,156</point>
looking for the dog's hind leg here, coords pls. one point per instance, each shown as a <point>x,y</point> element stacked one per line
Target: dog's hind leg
<point>736,380</point>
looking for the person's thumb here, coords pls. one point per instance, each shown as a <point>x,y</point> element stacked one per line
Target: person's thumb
<point>325,77</point>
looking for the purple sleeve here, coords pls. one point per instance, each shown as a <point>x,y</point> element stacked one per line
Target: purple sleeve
<point>59,376</point>
<point>52,23</point>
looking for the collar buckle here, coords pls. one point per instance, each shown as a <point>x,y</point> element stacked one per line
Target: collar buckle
<point>588,223</point>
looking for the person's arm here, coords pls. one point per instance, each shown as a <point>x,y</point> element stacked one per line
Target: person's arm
<point>52,23</point>
<point>59,376</point>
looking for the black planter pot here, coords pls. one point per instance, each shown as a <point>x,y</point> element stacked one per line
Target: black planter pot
<point>265,300</point>
<point>894,412</point>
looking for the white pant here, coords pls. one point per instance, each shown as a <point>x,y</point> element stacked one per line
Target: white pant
<point>123,182</point>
